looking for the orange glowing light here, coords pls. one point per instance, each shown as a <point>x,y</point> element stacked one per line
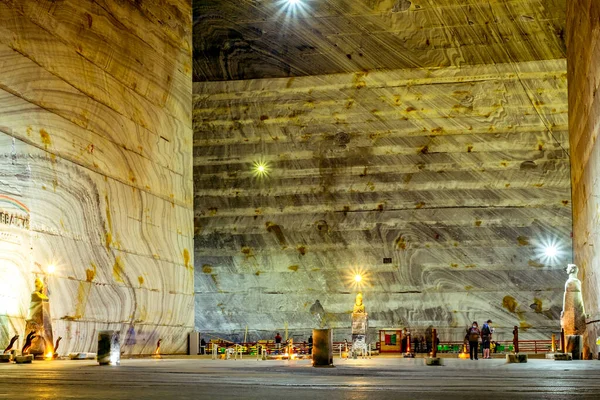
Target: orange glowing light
<point>49,356</point>
<point>358,278</point>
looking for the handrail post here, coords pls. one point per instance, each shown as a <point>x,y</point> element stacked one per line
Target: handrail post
<point>563,347</point>
<point>516,339</point>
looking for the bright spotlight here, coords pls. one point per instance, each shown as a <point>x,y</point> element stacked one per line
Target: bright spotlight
<point>551,251</point>
<point>358,278</point>
<point>51,268</point>
<point>260,169</point>
<point>292,8</point>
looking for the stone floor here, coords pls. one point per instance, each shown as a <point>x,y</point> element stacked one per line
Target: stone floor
<point>377,378</point>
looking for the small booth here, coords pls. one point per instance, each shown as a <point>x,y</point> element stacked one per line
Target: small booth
<point>390,341</point>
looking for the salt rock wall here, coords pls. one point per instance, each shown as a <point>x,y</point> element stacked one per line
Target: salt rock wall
<point>270,39</point>
<point>96,169</point>
<point>440,185</point>
<point>584,115</point>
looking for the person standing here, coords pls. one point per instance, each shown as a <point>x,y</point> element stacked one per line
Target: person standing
<point>486,338</point>
<point>404,344</point>
<point>428,338</point>
<point>473,334</point>
<point>278,342</point>
<point>310,344</point>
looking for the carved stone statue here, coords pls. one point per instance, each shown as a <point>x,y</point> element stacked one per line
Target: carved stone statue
<point>359,307</point>
<point>572,318</point>
<point>40,322</point>
<point>360,324</point>
<point>318,310</point>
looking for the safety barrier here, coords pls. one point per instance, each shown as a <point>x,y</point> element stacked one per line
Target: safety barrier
<point>289,350</point>
<point>505,346</point>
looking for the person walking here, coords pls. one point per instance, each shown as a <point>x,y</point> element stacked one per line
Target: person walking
<point>486,338</point>
<point>473,334</point>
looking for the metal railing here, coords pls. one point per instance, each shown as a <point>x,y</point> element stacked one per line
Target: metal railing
<point>262,350</point>
<point>504,346</point>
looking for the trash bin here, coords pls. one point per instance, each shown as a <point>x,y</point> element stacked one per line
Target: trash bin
<point>322,352</point>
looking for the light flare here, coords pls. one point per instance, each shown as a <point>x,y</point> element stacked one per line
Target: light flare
<point>358,278</point>
<point>260,169</point>
<point>550,251</point>
<point>292,8</point>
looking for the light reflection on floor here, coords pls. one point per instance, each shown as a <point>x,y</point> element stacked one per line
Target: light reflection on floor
<point>377,378</point>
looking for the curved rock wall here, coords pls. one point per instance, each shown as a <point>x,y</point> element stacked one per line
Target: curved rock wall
<point>95,154</point>
<point>583,28</point>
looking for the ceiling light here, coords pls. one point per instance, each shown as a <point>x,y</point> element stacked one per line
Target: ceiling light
<point>551,251</point>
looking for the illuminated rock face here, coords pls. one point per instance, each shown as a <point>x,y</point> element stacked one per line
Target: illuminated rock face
<point>441,185</point>
<point>424,142</point>
<point>584,116</point>
<point>95,170</point>
<point>234,41</point>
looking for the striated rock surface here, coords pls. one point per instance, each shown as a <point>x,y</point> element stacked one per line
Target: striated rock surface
<point>95,167</point>
<point>583,25</point>
<point>441,185</point>
<point>236,40</point>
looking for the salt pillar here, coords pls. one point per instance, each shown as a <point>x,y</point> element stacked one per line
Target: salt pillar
<point>572,318</point>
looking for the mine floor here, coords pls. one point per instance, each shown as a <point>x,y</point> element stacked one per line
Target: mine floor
<point>376,378</point>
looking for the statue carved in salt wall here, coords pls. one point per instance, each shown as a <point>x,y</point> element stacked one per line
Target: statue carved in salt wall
<point>40,322</point>
<point>572,318</point>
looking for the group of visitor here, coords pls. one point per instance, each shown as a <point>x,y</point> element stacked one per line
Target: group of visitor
<point>474,335</point>
<point>420,343</point>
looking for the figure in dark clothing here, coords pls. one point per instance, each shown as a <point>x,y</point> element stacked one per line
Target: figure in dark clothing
<point>486,338</point>
<point>416,344</point>
<point>310,344</point>
<point>473,335</point>
<point>277,342</point>
<point>429,338</point>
